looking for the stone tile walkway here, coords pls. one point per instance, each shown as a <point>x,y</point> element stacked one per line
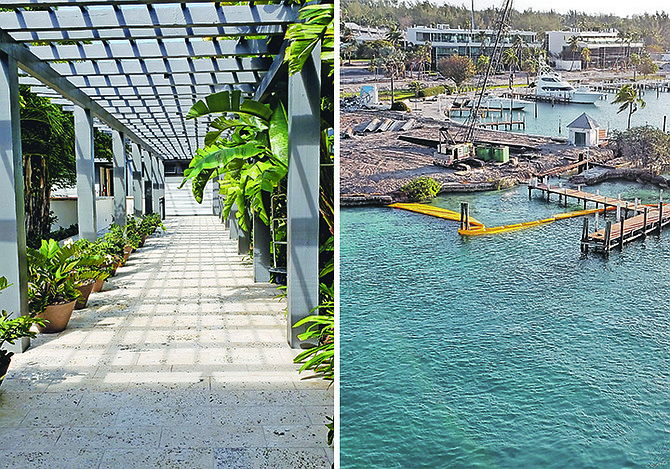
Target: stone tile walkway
<point>181,361</point>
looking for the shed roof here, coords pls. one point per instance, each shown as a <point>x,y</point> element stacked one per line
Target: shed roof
<point>584,121</point>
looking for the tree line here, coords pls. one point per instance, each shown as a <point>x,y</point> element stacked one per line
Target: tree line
<point>651,29</point>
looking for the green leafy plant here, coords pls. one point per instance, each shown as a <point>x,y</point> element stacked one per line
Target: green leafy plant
<point>14,329</point>
<point>248,146</point>
<point>51,275</point>
<point>420,189</point>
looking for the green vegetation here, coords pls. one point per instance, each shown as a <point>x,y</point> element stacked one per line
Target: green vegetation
<point>12,330</point>
<point>645,147</point>
<point>433,91</point>
<point>457,68</point>
<point>628,98</point>
<point>421,189</point>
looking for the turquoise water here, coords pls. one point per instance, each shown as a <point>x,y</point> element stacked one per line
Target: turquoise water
<point>550,119</point>
<point>513,351</point>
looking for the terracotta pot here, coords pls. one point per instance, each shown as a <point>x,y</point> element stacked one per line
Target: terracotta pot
<point>126,252</point>
<point>114,267</point>
<point>144,238</point>
<point>97,286</point>
<point>85,291</point>
<point>58,317</point>
<point>4,366</point>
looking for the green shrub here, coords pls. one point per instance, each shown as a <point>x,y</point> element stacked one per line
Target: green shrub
<point>431,91</point>
<point>399,106</point>
<point>421,188</point>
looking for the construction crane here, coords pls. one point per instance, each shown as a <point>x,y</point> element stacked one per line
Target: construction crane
<point>451,150</point>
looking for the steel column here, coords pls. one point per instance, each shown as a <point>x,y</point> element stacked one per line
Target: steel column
<point>12,216</point>
<point>304,108</point>
<point>137,180</point>
<point>86,197</point>
<point>119,151</point>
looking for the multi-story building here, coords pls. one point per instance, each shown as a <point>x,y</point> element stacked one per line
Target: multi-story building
<point>448,41</point>
<point>606,48</point>
<point>366,33</point>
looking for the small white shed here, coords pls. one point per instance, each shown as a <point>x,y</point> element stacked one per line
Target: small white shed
<point>586,132</point>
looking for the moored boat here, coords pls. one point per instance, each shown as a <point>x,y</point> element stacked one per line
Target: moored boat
<point>551,85</point>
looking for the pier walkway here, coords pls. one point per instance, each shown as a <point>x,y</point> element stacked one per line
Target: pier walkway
<point>633,220</point>
<point>180,362</point>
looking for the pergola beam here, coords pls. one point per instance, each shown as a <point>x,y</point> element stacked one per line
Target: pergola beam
<point>147,16</point>
<point>32,65</point>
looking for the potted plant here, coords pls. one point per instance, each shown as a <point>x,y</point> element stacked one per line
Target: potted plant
<point>90,270</point>
<point>112,247</point>
<point>12,330</point>
<point>52,291</point>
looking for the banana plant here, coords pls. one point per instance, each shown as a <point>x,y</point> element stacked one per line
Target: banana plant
<point>247,145</point>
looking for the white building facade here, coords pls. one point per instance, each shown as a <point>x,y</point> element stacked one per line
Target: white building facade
<point>448,41</point>
<point>606,48</point>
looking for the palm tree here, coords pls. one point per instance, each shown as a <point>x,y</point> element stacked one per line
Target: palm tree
<point>586,56</point>
<point>394,36</point>
<point>635,62</point>
<point>628,98</point>
<point>510,58</point>
<point>47,143</point>
<point>483,39</point>
<point>573,45</point>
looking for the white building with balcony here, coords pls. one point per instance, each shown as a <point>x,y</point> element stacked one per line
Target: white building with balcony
<point>606,48</point>
<point>448,41</point>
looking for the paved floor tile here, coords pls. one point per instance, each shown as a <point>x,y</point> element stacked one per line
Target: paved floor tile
<point>180,361</point>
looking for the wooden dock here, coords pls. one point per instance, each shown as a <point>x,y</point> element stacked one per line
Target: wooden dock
<point>632,221</point>
<point>506,125</point>
<point>564,193</point>
<point>615,234</point>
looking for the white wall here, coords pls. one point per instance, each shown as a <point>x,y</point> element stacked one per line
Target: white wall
<point>182,202</point>
<point>569,65</point>
<point>66,211</point>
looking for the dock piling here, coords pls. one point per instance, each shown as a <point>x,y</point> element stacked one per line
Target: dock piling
<point>622,233</point>
<point>608,235</point>
<point>585,236</point>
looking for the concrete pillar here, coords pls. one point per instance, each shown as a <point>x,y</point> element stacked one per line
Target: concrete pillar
<point>161,192</point>
<point>137,179</point>
<point>119,151</point>
<point>155,184</point>
<point>147,181</point>
<point>304,107</point>
<point>12,216</point>
<point>86,197</point>
<point>262,255</point>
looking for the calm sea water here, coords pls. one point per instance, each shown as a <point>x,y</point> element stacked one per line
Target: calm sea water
<point>513,351</point>
<point>550,119</point>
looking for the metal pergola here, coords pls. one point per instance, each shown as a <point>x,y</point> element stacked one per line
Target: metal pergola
<point>135,68</point>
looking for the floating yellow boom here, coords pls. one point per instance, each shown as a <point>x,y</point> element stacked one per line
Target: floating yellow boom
<point>478,228</point>
<point>529,224</point>
<point>435,212</point>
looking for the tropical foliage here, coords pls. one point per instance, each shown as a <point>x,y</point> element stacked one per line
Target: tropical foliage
<point>420,189</point>
<point>246,150</point>
<point>646,147</point>
<point>47,143</point>
<point>51,275</point>
<point>457,68</point>
<point>14,329</point>
<point>628,99</point>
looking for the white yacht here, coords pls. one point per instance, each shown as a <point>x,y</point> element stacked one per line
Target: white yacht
<point>551,85</point>
<point>498,102</point>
